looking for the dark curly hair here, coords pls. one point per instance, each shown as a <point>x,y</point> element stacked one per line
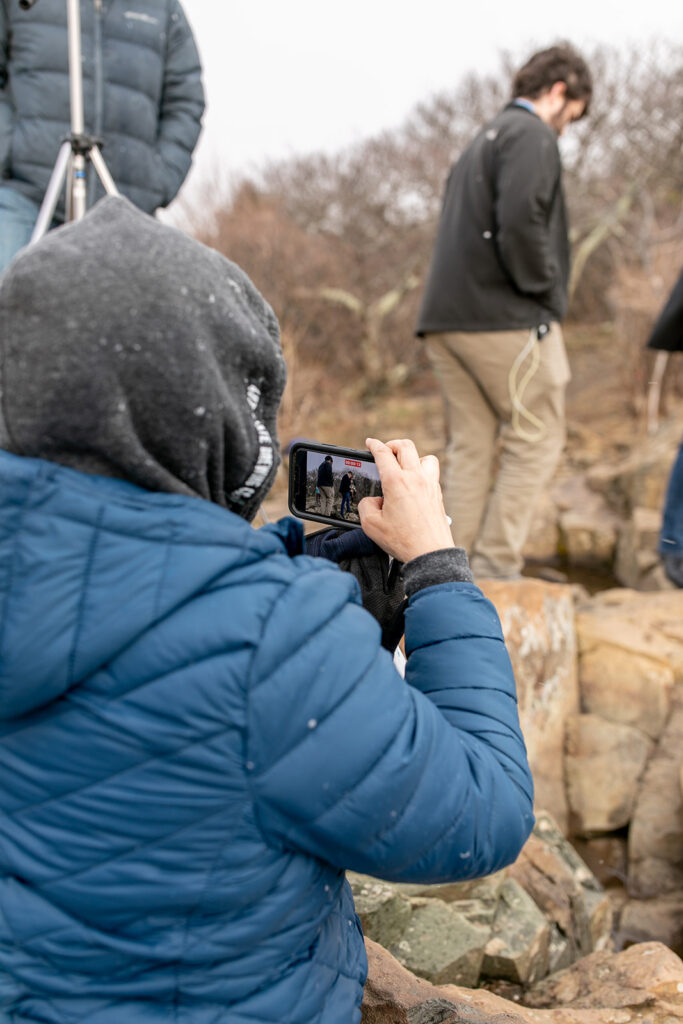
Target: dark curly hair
<point>559,63</point>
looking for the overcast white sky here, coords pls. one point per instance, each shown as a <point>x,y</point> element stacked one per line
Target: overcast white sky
<point>291,76</point>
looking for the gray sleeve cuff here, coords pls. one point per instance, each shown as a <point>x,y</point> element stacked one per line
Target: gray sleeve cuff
<point>448,565</point>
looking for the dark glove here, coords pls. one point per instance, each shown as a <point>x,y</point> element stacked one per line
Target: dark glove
<point>381,585</point>
<point>338,545</point>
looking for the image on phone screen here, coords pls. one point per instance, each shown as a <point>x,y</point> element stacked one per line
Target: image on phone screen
<point>330,485</point>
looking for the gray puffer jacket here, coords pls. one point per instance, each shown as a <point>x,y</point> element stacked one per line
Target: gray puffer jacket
<point>142,94</point>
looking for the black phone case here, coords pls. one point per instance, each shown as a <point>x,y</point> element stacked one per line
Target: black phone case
<point>325,449</point>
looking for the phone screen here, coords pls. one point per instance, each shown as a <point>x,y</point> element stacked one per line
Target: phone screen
<point>326,483</point>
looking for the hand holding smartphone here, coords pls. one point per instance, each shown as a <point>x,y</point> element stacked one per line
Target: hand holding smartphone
<point>403,509</point>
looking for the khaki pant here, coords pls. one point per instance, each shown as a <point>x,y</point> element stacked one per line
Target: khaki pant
<point>491,513</point>
<point>326,500</point>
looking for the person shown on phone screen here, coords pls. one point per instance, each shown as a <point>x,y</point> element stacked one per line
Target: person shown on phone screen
<point>325,484</point>
<point>200,730</point>
<point>345,486</point>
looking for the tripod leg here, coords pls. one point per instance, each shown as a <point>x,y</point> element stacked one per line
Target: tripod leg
<point>49,204</point>
<point>103,171</point>
<point>78,191</point>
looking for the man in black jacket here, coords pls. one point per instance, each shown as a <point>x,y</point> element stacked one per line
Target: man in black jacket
<point>325,484</point>
<point>491,311</point>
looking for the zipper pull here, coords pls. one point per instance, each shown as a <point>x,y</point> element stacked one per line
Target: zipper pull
<point>98,6</point>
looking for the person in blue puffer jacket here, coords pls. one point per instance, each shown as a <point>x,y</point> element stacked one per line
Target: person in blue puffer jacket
<point>142,95</point>
<point>199,728</point>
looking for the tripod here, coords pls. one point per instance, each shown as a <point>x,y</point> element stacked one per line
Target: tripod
<point>78,147</point>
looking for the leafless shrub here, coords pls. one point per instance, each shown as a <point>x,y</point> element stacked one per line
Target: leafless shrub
<point>339,244</point>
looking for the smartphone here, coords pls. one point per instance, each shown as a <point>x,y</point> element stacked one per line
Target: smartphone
<point>327,482</point>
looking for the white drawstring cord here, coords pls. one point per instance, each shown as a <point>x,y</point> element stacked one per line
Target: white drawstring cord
<point>517,391</point>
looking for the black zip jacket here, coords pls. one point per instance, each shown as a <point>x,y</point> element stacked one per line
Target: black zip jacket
<point>325,475</point>
<point>667,333</point>
<point>501,258</point>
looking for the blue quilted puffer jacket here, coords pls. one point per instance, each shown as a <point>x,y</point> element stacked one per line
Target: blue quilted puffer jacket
<point>199,731</point>
<point>142,94</point>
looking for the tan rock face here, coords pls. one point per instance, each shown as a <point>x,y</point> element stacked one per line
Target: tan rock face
<point>588,539</point>
<point>442,945</point>
<point>538,623</point>
<point>384,912</point>
<point>542,542</point>
<point>625,687</point>
<point>630,654</point>
<point>631,672</point>
<point>662,916</point>
<point>606,856</point>
<point>650,625</point>
<point>639,480</point>
<point>656,832</point>
<point>637,555</point>
<point>628,979</point>
<point>604,763</point>
<point>644,983</point>
<point>519,944</point>
<point>563,887</point>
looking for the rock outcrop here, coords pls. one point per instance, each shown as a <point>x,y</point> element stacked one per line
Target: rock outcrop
<point>542,931</point>
<point>605,737</point>
<point>605,514</point>
<point>517,925</point>
<point>538,623</point>
<point>604,764</point>
<point>631,678</point>
<point>642,984</point>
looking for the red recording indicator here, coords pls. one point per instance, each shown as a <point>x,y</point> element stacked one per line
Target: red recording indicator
<point>352,462</point>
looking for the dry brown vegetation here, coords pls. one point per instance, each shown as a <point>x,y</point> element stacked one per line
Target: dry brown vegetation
<point>340,246</point>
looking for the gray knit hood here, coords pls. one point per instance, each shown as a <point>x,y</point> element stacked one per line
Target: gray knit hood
<point>130,350</point>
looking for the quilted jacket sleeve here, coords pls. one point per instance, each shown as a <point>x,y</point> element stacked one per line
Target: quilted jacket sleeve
<point>418,780</point>
<point>5,106</point>
<point>182,103</point>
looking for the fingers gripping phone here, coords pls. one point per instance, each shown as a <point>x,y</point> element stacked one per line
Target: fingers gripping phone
<point>326,482</point>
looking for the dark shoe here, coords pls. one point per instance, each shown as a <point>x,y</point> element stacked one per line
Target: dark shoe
<point>673,567</point>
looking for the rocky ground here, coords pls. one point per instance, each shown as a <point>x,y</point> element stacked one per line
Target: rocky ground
<point>561,937</point>
<point>642,984</point>
<point>587,926</point>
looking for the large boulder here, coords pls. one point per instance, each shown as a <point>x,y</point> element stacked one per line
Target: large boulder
<point>588,527</point>
<point>518,947</point>
<point>630,653</point>
<point>437,931</point>
<point>637,563</point>
<point>637,977</point>
<point>383,910</point>
<point>656,832</point>
<point>643,983</point>
<point>606,856</point>
<point>538,623</point>
<point>536,916</point>
<point>641,478</point>
<point>441,945</point>
<point>631,677</point>
<point>550,870</point>
<point>393,995</point>
<point>588,539</point>
<point>662,916</point>
<point>604,763</point>
<point>542,543</point>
